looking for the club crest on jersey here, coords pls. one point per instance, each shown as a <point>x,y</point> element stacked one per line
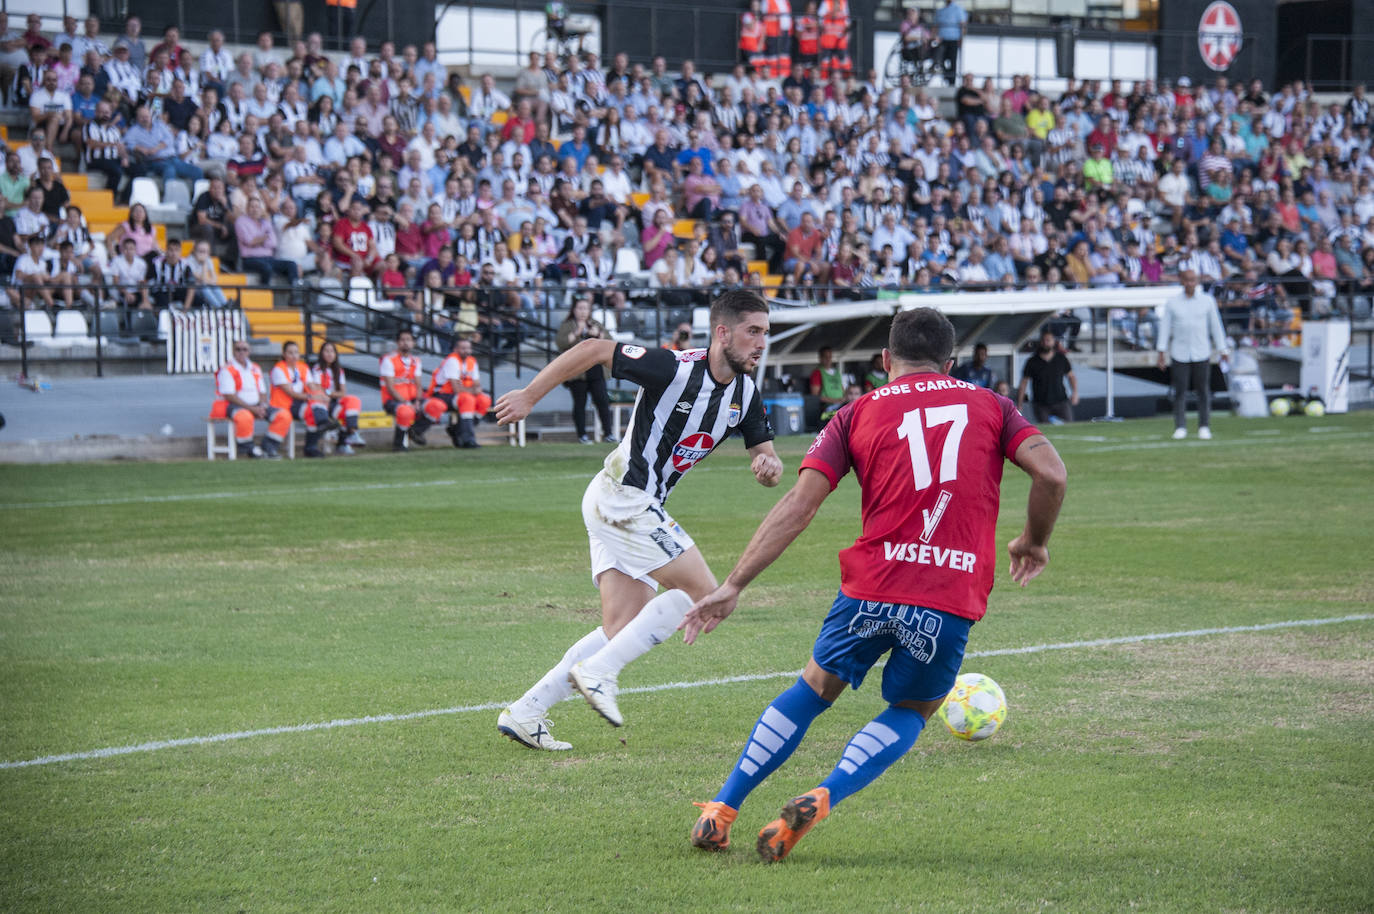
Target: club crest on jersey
<point>633,352</point>
<point>732,417</point>
<point>691,449</point>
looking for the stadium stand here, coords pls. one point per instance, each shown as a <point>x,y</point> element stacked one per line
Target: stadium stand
<point>499,200</point>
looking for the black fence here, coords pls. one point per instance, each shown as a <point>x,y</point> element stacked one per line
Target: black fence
<point>516,326</point>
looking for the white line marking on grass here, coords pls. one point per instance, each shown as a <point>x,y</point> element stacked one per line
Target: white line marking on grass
<point>1265,432</point>
<point>1248,442</point>
<point>279,493</point>
<point>157,745</point>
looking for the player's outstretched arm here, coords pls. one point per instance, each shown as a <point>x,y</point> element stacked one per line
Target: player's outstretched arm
<point>766,465</point>
<point>1049,480</point>
<point>783,524</point>
<point>515,405</point>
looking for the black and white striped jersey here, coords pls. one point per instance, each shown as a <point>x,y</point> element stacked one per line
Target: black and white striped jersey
<point>680,415</point>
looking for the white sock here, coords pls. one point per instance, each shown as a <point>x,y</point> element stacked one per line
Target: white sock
<point>554,687</point>
<point>655,624</point>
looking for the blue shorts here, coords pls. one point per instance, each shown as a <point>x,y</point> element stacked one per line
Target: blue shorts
<point>927,646</point>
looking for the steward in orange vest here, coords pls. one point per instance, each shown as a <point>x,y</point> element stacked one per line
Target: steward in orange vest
<point>807,31</point>
<point>243,400</point>
<point>458,384</point>
<point>400,375</point>
<point>327,380</point>
<point>291,394</point>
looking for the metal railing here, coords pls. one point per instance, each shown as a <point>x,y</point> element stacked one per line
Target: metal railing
<point>1329,61</point>
<point>522,336</point>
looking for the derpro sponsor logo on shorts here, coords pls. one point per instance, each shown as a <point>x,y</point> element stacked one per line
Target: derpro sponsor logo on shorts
<point>689,450</point>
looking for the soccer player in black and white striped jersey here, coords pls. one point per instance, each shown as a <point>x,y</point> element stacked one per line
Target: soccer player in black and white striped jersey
<point>689,402</point>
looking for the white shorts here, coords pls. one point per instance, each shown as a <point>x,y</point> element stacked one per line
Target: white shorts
<point>628,530</point>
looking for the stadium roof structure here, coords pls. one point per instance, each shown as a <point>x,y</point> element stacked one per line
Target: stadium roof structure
<point>1002,320</point>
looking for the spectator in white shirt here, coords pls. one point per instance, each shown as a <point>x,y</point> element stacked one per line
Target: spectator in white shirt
<point>123,75</point>
<point>128,274</point>
<point>32,270</point>
<point>216,63</point>
<point>50,109</point>
<point>90,41</point>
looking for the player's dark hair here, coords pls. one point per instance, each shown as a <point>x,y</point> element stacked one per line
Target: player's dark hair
<point>404,331</point>
<point>731,306</point>
<point>921,335</point>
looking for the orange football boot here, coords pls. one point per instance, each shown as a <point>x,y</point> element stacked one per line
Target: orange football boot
<point>712,831</point>
<point>778,837</point>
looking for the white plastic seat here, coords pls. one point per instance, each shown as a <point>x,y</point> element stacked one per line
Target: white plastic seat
<point>361,291</point>
<point>701,322</point>
<point>164,324</point>
<point>145,191</point>
<point>38,327</point>
<point>200,187</point>
<point>71,325</point>
<point>176,194</point>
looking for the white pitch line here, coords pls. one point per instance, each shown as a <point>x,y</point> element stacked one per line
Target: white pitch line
<point>158,745</point>
<point>1227,442</point>
<point>280,493</point>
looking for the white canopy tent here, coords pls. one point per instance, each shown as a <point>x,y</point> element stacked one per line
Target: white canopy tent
<point>1003,321</point>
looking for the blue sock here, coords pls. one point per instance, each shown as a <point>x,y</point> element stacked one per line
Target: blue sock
<point>778,732</point>
<point>872,751</point>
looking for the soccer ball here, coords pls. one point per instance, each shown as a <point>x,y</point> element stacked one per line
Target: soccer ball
<point>1280,406</point>
<point>1315,409</point>
<point>975,708</point>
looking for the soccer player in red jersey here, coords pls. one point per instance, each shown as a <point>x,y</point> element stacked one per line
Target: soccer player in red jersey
<point>928,452</point>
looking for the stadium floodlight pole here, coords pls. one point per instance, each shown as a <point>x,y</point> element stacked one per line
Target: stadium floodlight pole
<point>1111,415</point>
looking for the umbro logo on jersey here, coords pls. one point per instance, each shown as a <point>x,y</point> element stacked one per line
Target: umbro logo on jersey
<point>684,406</point>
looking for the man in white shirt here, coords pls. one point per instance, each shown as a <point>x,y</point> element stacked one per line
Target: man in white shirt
<point>216,63</point>
<point>1190,330</point>
<point>890,233</point>
<point>30,271</point>
<point>123,75</point>
<point>90,41</point>
<point>128,275</point>
<point>616,181</point>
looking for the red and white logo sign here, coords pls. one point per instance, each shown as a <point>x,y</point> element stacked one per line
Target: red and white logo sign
<point>691,449</point>
<point>1218,35</point>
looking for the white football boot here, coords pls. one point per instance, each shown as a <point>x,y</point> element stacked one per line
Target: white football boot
<point>1180,434</point>
<point>1205,433</point>
<point>532,732</point>
<point>600,691</point>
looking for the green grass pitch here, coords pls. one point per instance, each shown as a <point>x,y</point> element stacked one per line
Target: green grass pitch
<point>153,602</point>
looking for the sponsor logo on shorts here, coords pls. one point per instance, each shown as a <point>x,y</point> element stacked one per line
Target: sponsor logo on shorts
<point>691,449</point>
<point>633,352</point>
<point>914,628</point>
<point>671,547</point>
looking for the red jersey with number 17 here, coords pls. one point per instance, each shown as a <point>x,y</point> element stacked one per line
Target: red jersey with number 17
<point>928,453</point>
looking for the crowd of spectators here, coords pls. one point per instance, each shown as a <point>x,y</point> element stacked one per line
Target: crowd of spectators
<point>468,204</point>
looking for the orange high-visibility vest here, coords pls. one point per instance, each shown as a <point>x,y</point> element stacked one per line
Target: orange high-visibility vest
<point>834,23</point>
<point>808,32</point>
<point>467,375</point>
<point>280,398</point>
<point>406,373</point>
<point>777,18</point>
<point>238,377</point>
<point>750,34</point>
<point>346,4</point>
